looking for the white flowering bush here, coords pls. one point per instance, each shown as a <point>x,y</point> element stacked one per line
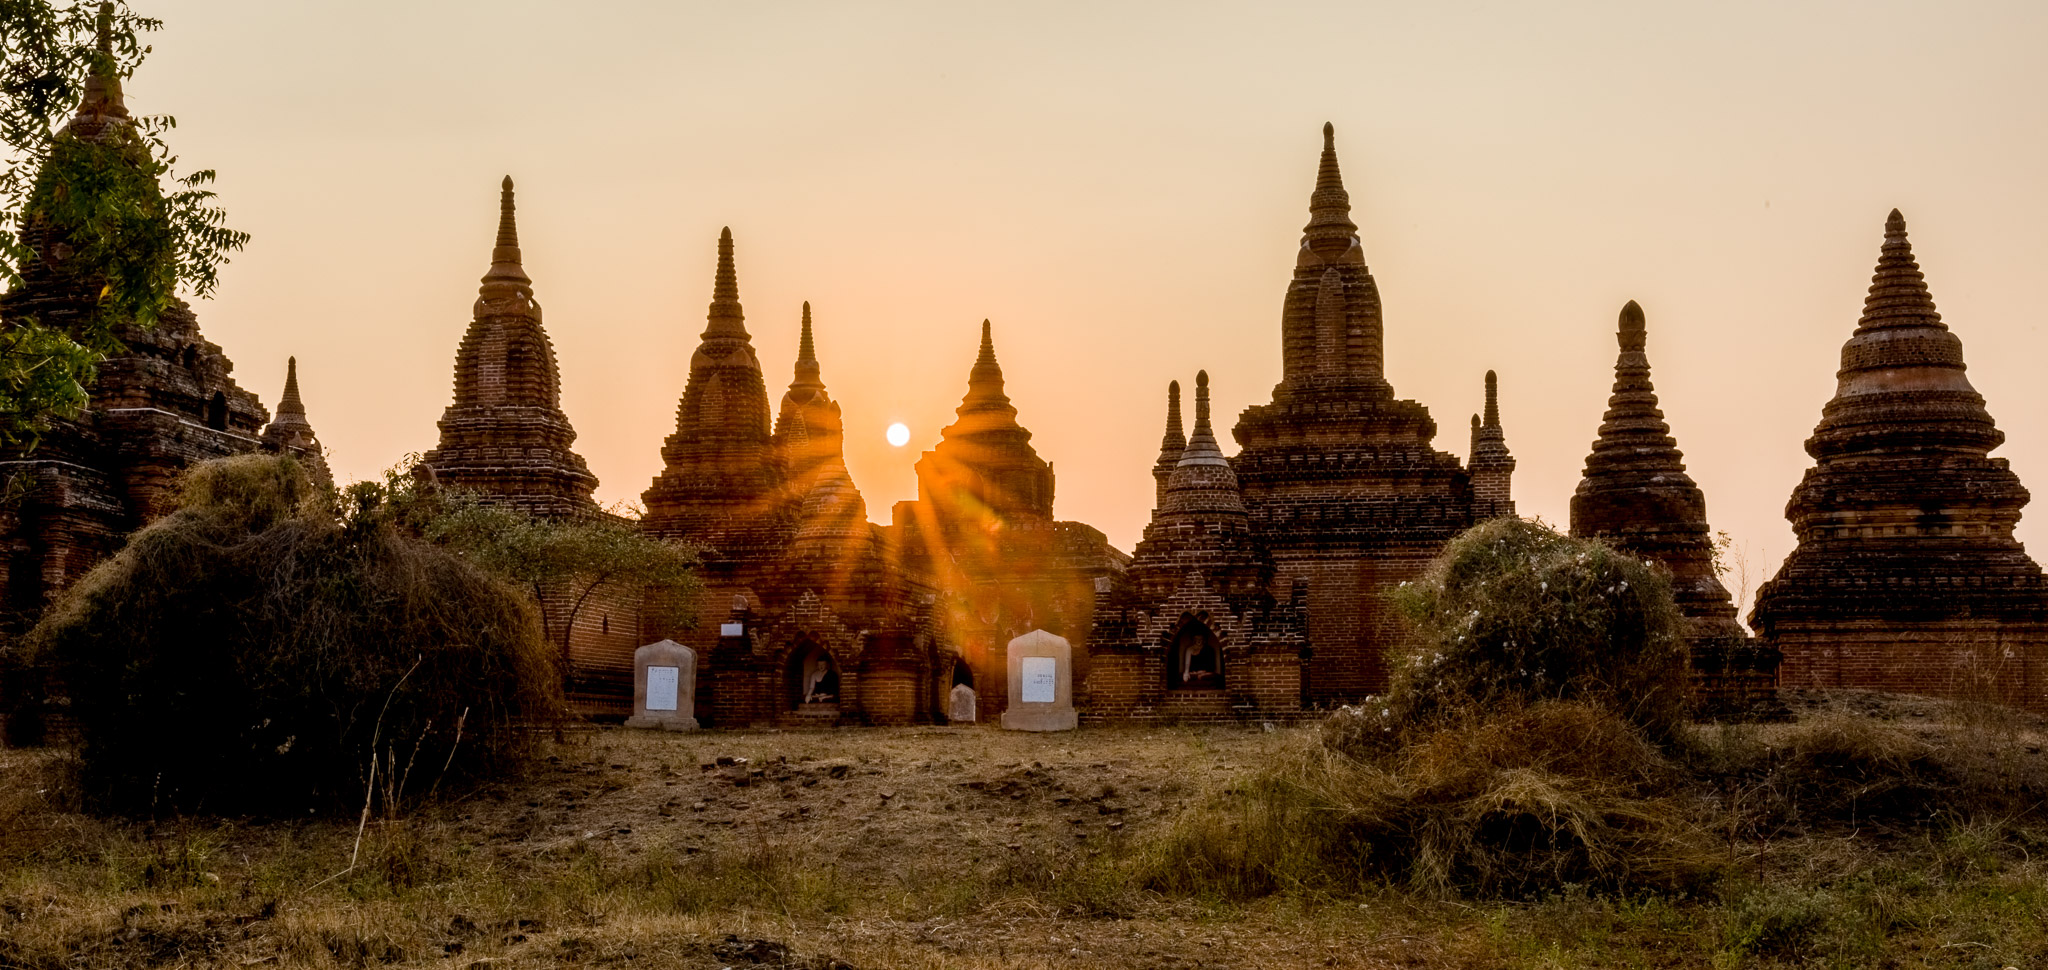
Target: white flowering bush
<point>1514,613</point>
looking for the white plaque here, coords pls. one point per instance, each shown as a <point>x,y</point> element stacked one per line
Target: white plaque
<point>1039,674</point>
<point>731,629</point>
<point>661,688</point>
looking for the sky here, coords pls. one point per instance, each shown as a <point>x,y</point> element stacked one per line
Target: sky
<point>1120,188</point>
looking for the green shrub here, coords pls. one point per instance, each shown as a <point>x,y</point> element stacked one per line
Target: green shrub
<point>1513,613</point>
<point>252,652</point>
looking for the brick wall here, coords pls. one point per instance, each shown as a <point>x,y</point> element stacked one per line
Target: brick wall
<point>1964,659</point>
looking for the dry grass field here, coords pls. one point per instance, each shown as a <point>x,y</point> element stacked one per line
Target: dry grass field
<point>976,848</point>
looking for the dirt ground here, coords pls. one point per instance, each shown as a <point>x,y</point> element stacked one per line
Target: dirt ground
<point>878,848</point>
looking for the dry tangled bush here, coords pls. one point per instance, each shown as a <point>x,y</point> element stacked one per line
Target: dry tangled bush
<point>1517,803</point>
<point>1513,613</point>
<point>254,652</point>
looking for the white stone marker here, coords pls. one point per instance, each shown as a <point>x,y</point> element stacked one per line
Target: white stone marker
<point>1041,684</point>
<point>664,687</point>
<point>963,704</point>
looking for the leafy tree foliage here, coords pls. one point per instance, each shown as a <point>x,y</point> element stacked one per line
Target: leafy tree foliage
<point>563,564</point>
<point>95,199</point>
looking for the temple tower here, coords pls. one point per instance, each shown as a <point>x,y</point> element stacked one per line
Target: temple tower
<point>1907,576</point>
<point>1490,464</point>
<point>1341,478</point>
<point>722,480</point>
<point>291,433</point>
<point>162,400</point>
<point>505,436</point>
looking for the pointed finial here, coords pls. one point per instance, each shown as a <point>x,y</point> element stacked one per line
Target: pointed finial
<point>1898,291</point>
<point>807,370</point>
<point>806,352</point>
<point>985,380</point>
<point>1492,400</point>
<point>725,288</point>
<point>1202,449</point>
<point>506,271</point>
<point>1634,334</point>
<point>726,317</point>
<point>1330,229</point>
<point>290,403</point>
<point>103,80</point>
<point>1173,409</point>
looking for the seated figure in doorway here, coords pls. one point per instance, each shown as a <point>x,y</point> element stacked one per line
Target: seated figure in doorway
<point>1201,665</point>
<point>821,682</point>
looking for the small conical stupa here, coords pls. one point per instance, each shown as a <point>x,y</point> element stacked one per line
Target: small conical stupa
<point>291,433</point>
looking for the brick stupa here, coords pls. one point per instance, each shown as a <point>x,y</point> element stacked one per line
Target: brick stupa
<point>291,432</point>
<point>1193,632</point>
<point>506,435</point>
<point>722,478</point>
<point>1339,476</point>
<point>1907,576</point>
<point>1636,495</point>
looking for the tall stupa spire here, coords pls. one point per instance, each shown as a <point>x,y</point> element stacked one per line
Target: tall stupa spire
<point>506,276</point>
<point>726,318</point>
<point>103,82</point>
<point>985,381</point>
<point>1330,229</point>
<point>290,403</point>
<point>1202,449</point>
<point>1171,444</point>
<point>808,374</point>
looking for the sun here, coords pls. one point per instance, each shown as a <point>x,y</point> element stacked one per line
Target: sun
<point>899,434</point>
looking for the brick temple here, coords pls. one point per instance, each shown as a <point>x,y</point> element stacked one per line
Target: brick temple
<point>1258,588</point>
<point>161,403</point>
<point>1907,576</point>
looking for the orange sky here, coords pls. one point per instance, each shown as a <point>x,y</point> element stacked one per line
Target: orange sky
<point>1121,188</point>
